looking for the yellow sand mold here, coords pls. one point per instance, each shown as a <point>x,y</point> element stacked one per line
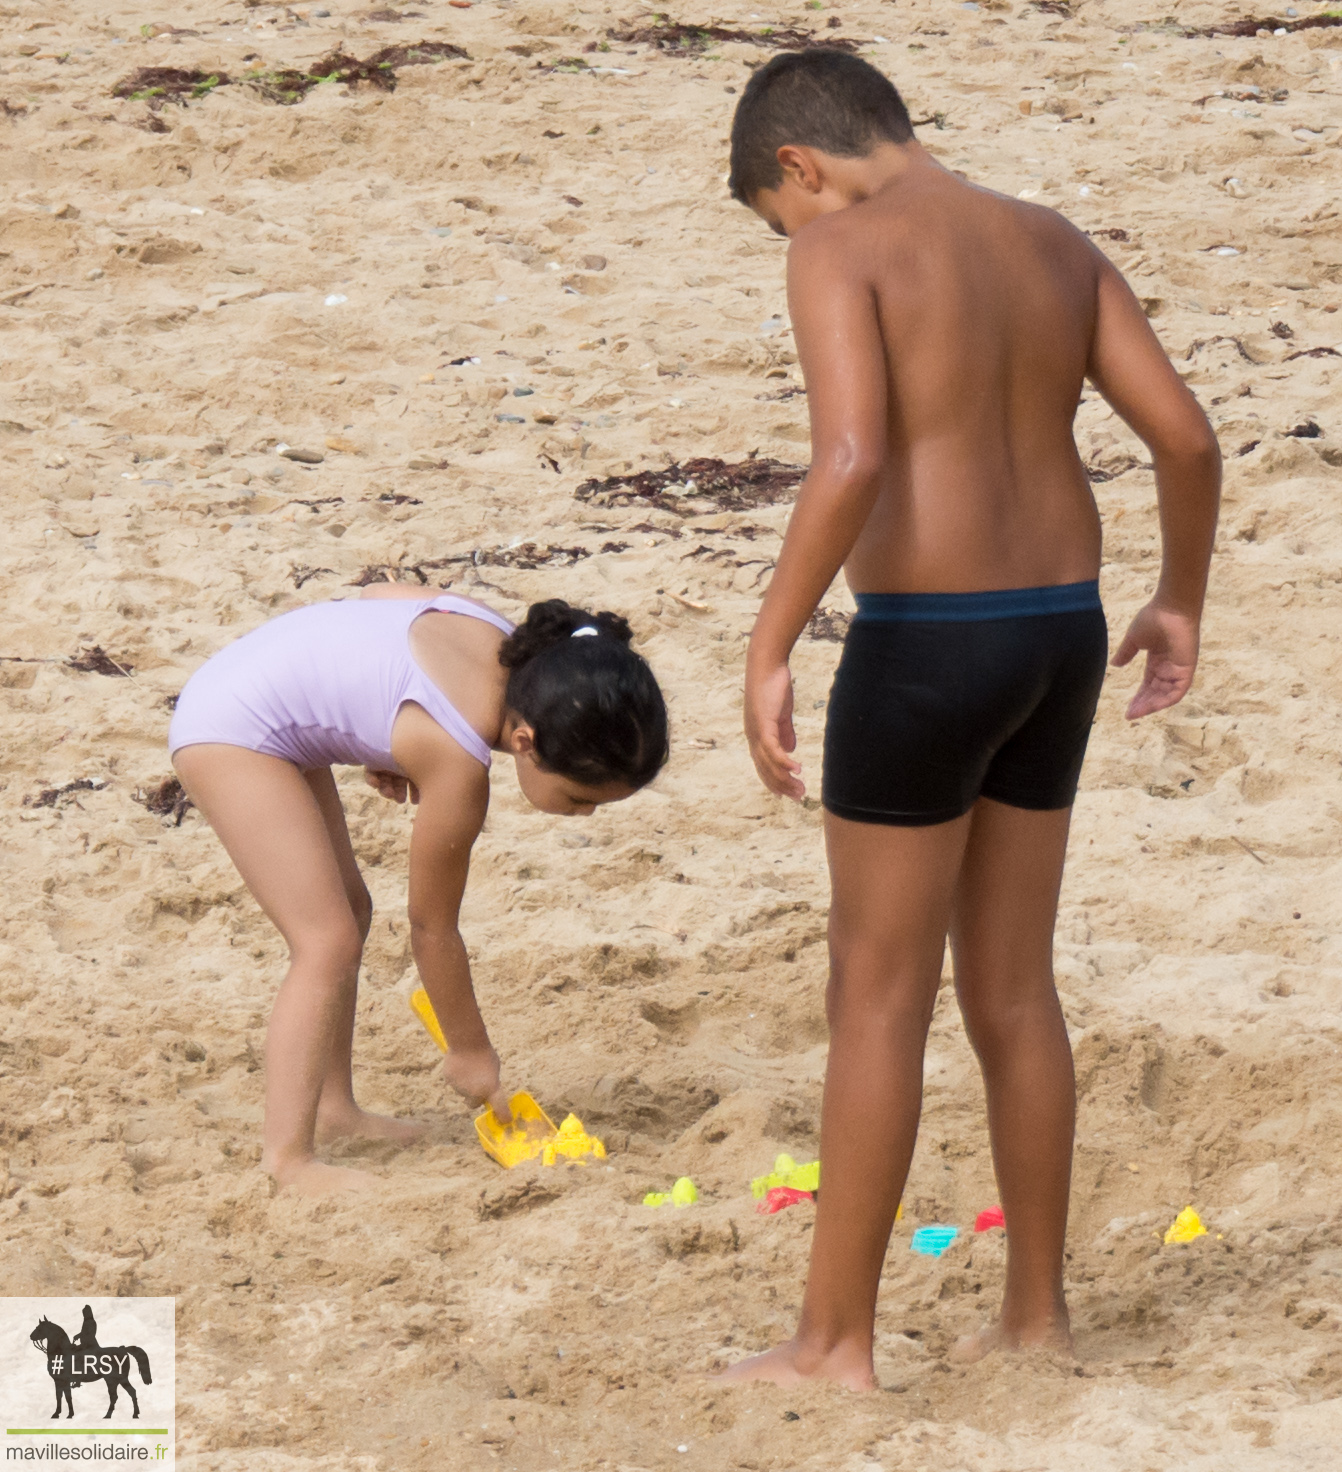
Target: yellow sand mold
<point>1185,1227</point>
<point>787,1172</point>
<point>572,1142</point>
<point>683,1193</point>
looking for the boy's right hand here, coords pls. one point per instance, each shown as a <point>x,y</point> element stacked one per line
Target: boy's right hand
<point>769,730</point>
<point>1171,643</point>
<point>474,1074</point>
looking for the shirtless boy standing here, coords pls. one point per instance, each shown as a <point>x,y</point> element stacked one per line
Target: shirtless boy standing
<point>945,332</point>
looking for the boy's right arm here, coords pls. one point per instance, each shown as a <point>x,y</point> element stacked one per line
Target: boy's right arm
<point>1130,368</point>
<point>842,355</point>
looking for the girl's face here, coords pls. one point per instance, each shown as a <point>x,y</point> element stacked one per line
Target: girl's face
<point>548,791</point>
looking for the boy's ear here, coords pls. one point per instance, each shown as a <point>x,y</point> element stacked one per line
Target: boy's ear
<point>799,165</point>
<point>521,740</point>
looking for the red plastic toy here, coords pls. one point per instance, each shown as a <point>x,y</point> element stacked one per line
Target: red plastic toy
<point>779,1198</point>
<point>987,1220</point>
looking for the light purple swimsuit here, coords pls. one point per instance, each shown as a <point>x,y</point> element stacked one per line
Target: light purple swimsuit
<point>323,685</point>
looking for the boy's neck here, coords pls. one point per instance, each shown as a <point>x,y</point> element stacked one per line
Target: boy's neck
<point>856,179</point>
<point>815,183</point>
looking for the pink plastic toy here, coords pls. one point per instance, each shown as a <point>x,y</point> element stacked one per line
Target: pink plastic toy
<point>987,1220</point>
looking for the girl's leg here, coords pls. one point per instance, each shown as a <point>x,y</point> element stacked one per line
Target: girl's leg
<point>268,818</point>
<point>337,1112</point>
<point>1002,941</point>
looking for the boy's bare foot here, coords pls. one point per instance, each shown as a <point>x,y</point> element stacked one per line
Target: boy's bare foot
<point>316,1178</point>
<point>791,1364</point>
<point>1054,1334</point>
<point>349,1121</point>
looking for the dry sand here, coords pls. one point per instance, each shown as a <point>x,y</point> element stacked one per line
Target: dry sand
<point>658,968</point>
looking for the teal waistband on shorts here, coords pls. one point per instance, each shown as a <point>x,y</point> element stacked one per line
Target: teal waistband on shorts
<point>963,608</point>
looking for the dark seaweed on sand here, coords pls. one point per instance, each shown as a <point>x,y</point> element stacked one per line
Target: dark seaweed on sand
<point>1268,23</point>
<point>828,623</point>
<point>691,40</point>
<point>95,660</point>
<point>49,797</point>
<point>525,557</point>
<point>166,799</point>
<point>740,487</point>
<point>159,84</point>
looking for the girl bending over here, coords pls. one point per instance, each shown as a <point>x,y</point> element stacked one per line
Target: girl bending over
<point>419,690</point>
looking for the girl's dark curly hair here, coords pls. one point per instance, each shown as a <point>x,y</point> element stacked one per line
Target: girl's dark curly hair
<point>594,706</point>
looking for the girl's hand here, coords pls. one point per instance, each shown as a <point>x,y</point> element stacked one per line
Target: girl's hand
<point>474,1074</point>
<point>1171,643</point>
<point>769,730</point>
<point>391,785</point>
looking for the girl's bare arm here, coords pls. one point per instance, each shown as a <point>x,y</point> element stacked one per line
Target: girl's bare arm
<point>454,796</point>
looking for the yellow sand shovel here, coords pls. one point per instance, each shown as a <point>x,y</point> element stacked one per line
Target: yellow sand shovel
<point>531,1128</point>
<point>524,1139</point>
<point>532,1131</point>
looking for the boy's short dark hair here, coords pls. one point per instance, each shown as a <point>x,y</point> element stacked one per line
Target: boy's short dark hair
<point>821,99</point>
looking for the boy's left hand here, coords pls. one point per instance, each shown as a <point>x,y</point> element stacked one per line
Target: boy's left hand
<point>1171,643</point>
<point>391,785</point>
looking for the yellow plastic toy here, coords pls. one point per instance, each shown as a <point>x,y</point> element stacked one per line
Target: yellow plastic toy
<point>1185,1228</point>
<point>524,1139</point>
<point>787,1172</point>
<point>572,1142</point>
<point>423,1009</point>
<point>683,1193</point>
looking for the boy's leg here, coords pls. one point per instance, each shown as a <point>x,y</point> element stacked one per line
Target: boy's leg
<point>892,893</point>
<point>1002,942</point>
<point>267,817</point>
<point>338,1113</point>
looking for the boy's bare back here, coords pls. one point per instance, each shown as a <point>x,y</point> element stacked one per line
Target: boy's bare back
<point>986,309</point>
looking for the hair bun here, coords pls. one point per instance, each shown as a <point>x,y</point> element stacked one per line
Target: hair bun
<point>614,626</point>
<point>550,623</point>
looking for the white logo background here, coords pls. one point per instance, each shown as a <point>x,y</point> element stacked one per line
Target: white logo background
<point>28,1393</point>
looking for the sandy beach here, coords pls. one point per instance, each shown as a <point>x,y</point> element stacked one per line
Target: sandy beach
<point>469,295</point>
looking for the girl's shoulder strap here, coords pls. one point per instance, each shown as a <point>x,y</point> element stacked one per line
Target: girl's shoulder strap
<point>455,603</point>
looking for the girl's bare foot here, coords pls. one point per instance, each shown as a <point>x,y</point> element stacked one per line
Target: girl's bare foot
<point>791,1364</point>
<point>1052,1333</point>
<point>347,1121</point>
<point>315,1178</point>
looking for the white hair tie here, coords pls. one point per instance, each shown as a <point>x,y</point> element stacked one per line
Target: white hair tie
<point>584,630</point>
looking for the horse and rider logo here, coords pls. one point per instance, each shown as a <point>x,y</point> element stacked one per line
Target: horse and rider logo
<point>81,1360</point>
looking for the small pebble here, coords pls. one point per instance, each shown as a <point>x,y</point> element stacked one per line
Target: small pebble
<point>96,274</point>
<point>336,300</point>
<point>336,378</point>
<point>510,419</point>
<point>523,393</point>
<point>303,457</point>
<point>500,298</point>
<point>427,378</point>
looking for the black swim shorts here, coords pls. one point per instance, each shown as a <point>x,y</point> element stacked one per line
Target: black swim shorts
<point>942,698</point>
